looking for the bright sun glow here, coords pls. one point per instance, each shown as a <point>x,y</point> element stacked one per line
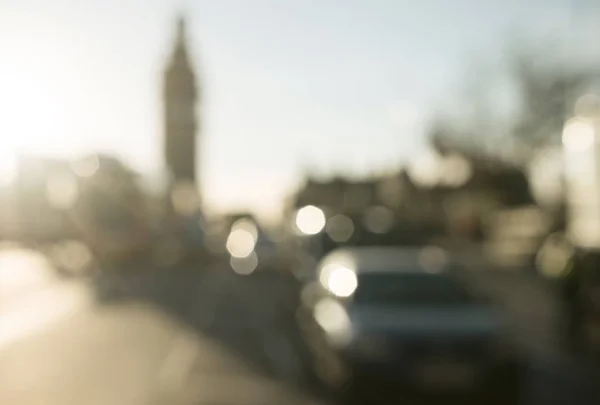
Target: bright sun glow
<point>31,297</point>
<point>8,166</point>
<point>33,117</point>
<point>37,82</point>
<point>19,270</point>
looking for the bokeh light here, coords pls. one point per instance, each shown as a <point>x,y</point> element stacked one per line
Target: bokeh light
<point>72,256</point>
<point>379,219</point>
<point>244,265</point>
<point>246,225</point>
<point>456,171</point>
<point>425,170</point>
<point>554,255</point>
<point>546,171</point>
<point>240,243</point>
<point>310,220</point>
<point>339,280</point>
<point>340,228</point>
<point>333,318</point>
<point>578,135</point>
<point>432,259</point>
<point>86,167</point>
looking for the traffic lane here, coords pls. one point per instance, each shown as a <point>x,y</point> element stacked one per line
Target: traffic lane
<point>130,354</point>
<point>225,305</point>
<point>250,316</point>
<point>253,316</point>
<point>92,357</point>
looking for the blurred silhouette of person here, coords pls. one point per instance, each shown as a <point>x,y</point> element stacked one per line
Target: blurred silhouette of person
<point>590,298</point>
<point>569,295</point>
<point>577,286</point>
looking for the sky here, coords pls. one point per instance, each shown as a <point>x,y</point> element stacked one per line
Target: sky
<point>337,86</point>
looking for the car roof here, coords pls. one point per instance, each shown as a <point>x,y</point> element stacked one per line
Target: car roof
<point>426,259</point>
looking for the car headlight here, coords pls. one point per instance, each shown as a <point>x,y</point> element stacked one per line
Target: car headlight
<point>339,280</point>
<point>333,318</point>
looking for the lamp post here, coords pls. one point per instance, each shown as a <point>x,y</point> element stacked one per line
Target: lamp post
<point>308,223</point>
<point>582,175</point>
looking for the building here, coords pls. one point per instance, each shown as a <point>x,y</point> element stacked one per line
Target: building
<point>388,209</point>
<point>397,209</point>
<point>110,212</point>
<point>181,123</point>
<point>34,207</point>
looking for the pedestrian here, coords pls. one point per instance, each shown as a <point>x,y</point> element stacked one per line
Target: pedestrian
<point>570,289</point>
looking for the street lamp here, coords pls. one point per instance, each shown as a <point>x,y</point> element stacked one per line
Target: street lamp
<point>578,135</point>
<point>310,220</point>
<point>242,239</point>
<point>582,177</point>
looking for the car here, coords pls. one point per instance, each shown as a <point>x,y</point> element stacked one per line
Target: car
<point>404,315</point>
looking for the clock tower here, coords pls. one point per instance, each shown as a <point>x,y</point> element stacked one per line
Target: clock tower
<point>180,96</point>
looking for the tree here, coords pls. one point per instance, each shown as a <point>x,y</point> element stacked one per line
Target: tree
<point>543,90</point>
<point>547,94</point>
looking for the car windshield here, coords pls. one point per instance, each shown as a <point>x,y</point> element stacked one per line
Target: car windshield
<point>401,289</point>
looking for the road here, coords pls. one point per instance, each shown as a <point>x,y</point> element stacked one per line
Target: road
<point>190,337</point>
<point>190,344</point>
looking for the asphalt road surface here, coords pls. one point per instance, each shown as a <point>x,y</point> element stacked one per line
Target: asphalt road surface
<point>207,336</point>
<point>188,344</point>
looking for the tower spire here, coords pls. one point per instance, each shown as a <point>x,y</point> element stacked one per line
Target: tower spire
<point>181,30</point>
<point>180,56</point>
<point>180,101</point>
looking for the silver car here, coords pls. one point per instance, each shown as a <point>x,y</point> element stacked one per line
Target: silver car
<point>404,316</point>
